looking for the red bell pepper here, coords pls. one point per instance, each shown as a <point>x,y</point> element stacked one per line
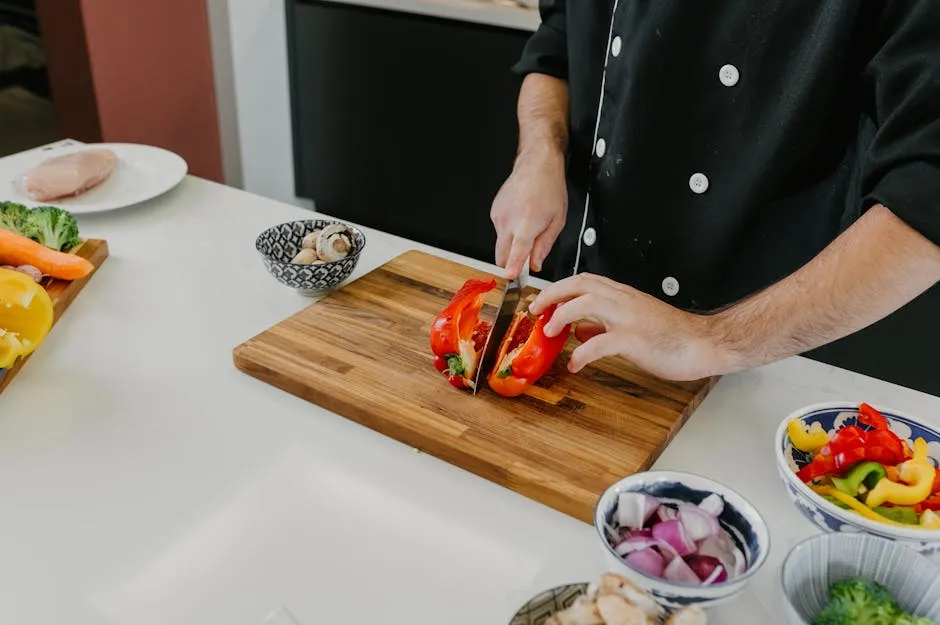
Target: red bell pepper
<point>525,354</point>
<point>931,503</point>
<point>821,466</point>
<point>867,415</point>
<point>851,445</point>
<point>848,437</point>
<point>458,336</point>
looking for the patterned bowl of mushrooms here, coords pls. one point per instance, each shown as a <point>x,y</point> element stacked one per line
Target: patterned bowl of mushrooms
<point>311,255</point>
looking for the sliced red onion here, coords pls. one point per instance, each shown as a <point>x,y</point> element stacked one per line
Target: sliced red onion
<point>679,571</point>
<point>713,504</point>
<point>665,513</point>
<point>645,532</point>
<point>698,524</point>
<point>673,533</point>
<point>635,543</point>
<point>666,551</point>
<point>721,547</point>
<point>708,568</point>
<point>647,561</point>
<point>635,509</point>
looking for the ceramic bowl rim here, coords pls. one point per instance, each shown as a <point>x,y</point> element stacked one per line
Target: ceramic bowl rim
<point>761,529</point>
<point>848,517</point>
<point>805,543</point>
<point>355,230</point>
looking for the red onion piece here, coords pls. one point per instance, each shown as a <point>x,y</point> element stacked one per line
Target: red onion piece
<point>647,561</point>
<point>720,546</point>
<point>635,509</point>
<point>698,524</point>
<point>708,568</point>
<point>665,513</point>
<point>678,571</point>
<point>673,533</point>
<point>713,504</point>
<point>635,543</point>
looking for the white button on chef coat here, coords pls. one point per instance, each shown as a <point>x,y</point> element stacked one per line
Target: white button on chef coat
<point>601,148</point>
<point>728,75</point>
<point>698,183</point>
<point>670,286</point>
<point>590,237</point>
<point>615,46</point>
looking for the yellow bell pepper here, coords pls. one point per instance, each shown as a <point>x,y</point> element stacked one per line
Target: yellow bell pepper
<point>26,314</point>
<point>810,439</point>
<point>858,506</point>
<point>929,520</point>
<point>918,473</point>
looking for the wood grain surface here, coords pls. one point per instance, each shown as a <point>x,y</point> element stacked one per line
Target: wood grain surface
<point>363,352</point>
<point>63,292</point>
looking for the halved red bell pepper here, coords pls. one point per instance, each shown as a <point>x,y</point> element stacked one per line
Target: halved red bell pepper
<point>457,334</point>
<point>869,416</point>
<point>525,354</point>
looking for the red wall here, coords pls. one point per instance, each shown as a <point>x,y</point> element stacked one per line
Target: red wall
<point>151,65</point>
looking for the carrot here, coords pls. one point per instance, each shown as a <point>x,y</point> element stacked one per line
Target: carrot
<point>893,473</point>
<point>15,249</point>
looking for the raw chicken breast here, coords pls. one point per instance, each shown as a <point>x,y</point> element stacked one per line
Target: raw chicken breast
<point>69,175</point>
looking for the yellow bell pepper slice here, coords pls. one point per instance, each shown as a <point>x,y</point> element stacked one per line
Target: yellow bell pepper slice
<point>918,473</point>
<point>929,520</point>
<point>858,506</point>
<point>810,439</point>
<point>26,314</point>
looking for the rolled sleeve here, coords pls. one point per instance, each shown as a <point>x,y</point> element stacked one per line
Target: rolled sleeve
<point>547,50</point>
<point>901,168</point>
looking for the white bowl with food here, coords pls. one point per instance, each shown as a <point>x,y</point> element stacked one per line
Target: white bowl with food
<point>684,538</point>
<point>311,255</point>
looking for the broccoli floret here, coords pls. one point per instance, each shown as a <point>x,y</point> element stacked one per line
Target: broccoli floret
<point>12,216</point>
<point>53,227</point>
<point>860,602</point>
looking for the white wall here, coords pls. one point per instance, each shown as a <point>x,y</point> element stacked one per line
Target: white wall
<point>249,40</point>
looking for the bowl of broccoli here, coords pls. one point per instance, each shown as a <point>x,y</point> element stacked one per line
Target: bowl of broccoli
<point>858,579</point>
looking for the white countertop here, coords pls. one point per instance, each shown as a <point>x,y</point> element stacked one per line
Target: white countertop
<point>504,13</point>
<point>146,481</point>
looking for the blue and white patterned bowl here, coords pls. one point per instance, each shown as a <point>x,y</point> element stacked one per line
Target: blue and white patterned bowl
<point>832,518</point>
<point>739,518</point>
<point>279,244</point>
<point>816,563</point>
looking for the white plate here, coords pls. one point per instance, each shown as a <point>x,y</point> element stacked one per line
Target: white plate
<point>143,172</point>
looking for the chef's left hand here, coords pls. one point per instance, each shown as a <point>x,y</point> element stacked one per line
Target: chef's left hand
<point>615,319</point>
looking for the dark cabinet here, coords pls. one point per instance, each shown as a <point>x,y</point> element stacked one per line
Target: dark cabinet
<point>407,124</point>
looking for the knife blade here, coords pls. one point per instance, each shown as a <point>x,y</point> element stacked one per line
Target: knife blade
<point>512,294</point>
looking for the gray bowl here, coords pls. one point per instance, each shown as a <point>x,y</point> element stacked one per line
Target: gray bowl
<point>279,244</point>
<point>817,562</point>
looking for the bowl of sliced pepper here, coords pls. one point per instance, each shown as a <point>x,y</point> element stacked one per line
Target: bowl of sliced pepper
<point>856,468</point>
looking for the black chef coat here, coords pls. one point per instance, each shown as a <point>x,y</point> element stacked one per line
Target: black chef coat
<point>716,146</point>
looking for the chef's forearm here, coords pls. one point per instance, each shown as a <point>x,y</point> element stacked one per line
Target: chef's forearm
<point>877,266</point>
<point>543,116</point>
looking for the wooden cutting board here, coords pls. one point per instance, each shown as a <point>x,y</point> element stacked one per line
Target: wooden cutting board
<point>363,352</point>
<point>63,292</point>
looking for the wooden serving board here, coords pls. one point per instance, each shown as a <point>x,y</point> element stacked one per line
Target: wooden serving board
<point>62,293</point>
<point>363,352</point>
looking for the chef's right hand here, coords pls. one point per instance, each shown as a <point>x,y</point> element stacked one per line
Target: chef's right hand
<point>529,212</point>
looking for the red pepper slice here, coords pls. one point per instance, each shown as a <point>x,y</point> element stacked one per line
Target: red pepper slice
<point>821,466</point>
<point>458,335</point>
<point>848,437</point>
<point>869,416</point>
<point>889,441</point>
<point>931,503</point>
<point>526,354</point>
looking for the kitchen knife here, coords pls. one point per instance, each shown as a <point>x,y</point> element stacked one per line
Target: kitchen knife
<point>512,294</point>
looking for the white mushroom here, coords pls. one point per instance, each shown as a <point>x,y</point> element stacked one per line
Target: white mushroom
<point>616,610</point>
<point>305,256</point>
<point>310,241</point>
<point>333,243</point>
<point>689,615</point>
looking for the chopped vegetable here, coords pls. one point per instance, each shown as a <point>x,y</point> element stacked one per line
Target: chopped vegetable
<point>27,316</point>
<point>810,439</point>
<point>53,227</point>
<point>12,216</point>
<point>15,249</point>
<point>930,520</point>
<point>857,601</point>
<point>868,469</point>
<point>867,473</point>
<point>687,539</point>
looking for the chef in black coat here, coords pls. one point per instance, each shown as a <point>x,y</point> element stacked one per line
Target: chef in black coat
<point>728,182</point>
